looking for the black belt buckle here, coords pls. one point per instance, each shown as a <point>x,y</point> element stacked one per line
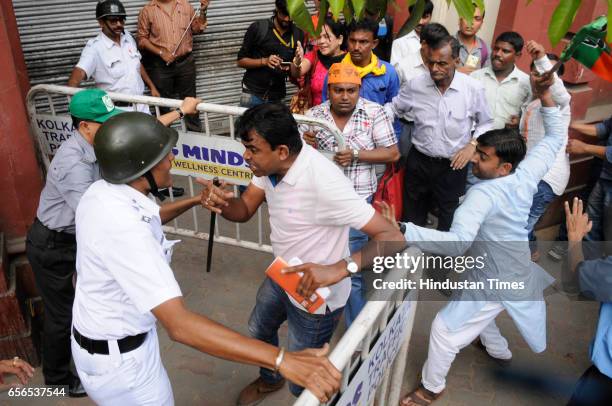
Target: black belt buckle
<point>84,344</point>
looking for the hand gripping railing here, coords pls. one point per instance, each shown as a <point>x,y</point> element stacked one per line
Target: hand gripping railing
<point>363,336</point>
<point>54,100</point>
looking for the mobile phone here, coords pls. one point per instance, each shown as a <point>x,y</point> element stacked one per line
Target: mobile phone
<point>283,63</point>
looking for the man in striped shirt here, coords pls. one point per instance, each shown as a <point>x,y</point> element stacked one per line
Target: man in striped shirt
<point>167,53</point>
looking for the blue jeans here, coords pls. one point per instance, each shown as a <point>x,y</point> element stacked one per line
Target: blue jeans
<point>599,209</point>
<point>357,298</point>
<point>272,308</point>
<point>249,100</point>
<point>541,200</point>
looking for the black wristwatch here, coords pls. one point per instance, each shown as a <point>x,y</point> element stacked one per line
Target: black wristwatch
<point>180,112</point>
<point>402,227</point>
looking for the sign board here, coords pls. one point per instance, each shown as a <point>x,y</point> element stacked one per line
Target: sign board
<point>207,157</point>
<point>195,154</point>
<point>369,376</point>
<point>52,131</point>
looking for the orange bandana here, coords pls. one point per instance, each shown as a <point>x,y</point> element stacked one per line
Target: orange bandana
<point>343,73</point>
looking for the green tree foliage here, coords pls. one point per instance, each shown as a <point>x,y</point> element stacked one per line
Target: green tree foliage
<point>561,20</point>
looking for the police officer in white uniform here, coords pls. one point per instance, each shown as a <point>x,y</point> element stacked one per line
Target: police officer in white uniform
<point>112,58</point>
<point>125,282</point>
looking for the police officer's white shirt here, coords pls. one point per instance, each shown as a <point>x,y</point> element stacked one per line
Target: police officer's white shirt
<point>114,68</point>
<point>311,210</point>
<point>122,263</point>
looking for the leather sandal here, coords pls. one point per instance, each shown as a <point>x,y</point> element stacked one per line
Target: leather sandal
<point>420,397</point>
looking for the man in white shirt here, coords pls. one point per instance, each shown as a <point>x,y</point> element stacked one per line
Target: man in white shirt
<point>411,42</point>
<point>450,113</point>
<point>112,58</point>
<point>507,87</point>
<point>553,184</point>
<point>312,205</point>
<point>410,67</point>
<point>125,283</point>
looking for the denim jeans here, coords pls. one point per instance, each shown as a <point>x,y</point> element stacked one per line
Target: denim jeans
<point>272,308</point>
<point>249,100</point>
<point>541,200</point>
<point>598,209</point>
<point>357,298</point>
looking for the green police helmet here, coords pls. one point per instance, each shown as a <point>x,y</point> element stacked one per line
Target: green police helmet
<point>128,145</point>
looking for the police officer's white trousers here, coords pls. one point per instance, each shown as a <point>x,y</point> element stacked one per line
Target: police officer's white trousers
<point>133,378</point>
<point>444,344</point>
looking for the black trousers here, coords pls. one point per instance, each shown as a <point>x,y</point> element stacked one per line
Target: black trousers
<point>53,259</point>
<point>593,389</point>
<point>176,81</point>
<point>431,182</point>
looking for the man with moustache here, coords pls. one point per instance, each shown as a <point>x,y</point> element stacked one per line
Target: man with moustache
<point>379,81</point>
<point>370,140</point>
<point>112,58</point>
<point>474,52</point>
<point>411,43</point>
<point>312,206</point>
<point>450,112</point>
<point>267,51</point>
<point>507,88</point>
<point>410,67</point>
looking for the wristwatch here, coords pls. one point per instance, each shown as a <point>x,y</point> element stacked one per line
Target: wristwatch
<point>351,266</point>
<point>355,154</point>
<point>474,142</point>
<point>180,113</point>
<point>402,227</point>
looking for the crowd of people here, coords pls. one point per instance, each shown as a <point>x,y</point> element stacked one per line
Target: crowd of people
<point>483,147</point>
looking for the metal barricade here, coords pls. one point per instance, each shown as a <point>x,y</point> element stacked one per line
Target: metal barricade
<point>372,363</point>
<point>54,100</point>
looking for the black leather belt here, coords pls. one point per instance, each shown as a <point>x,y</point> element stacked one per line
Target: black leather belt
<point>181,58</point>
<point>126,344</point>
<point>429,158</point>
<point>123,104</point>
<point>57,236</point>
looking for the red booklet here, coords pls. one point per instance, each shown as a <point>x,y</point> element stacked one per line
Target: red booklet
<point>289,282</point>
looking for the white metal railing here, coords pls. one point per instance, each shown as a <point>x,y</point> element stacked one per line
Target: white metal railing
<point>54,100</point>
<point>368,337</point>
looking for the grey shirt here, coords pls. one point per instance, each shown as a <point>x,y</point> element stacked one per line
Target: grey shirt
<point>443,123</point>
<point>481,51</point>
<point>73,169</point>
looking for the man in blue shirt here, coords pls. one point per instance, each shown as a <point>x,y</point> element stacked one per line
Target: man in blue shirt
<point>595,277</point>
<point>379,80</point>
